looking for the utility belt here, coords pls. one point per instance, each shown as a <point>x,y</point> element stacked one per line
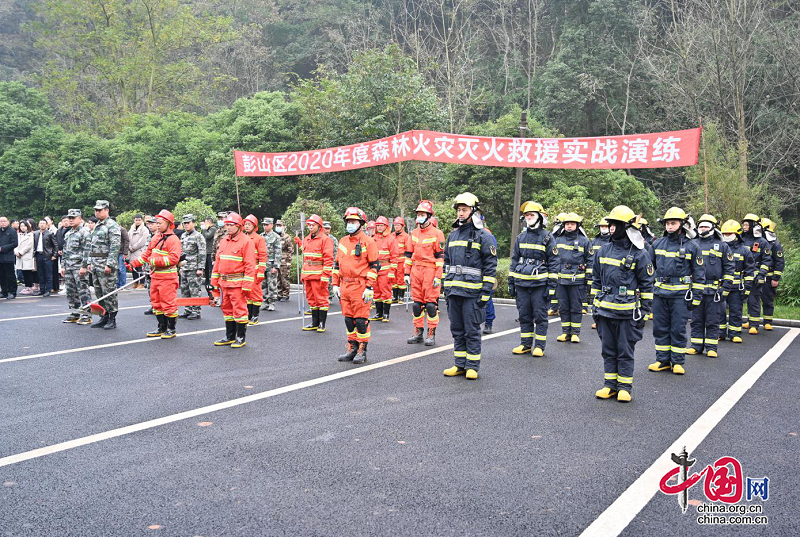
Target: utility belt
<point>460,269</point>
<point>675,279</point>
<point>98,254</point>
<point>234,276</point>
<point>620,290</point>
<point>418,263</point>
<point>569,266</point>
<point>530,261</point>
<point>313,263</point>
<point>357,279</point>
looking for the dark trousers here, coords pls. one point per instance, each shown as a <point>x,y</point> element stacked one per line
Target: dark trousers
<point>570,307</point>
<point>8,279</point>
<point>465,326</point>
<point>669,329</point>
<point>730,325</point>
<point>768,301</point>
<point>618,338</point>
<point>532,305</point>
<point>754,305</point>
<point>705,324</point>
<point>44,267</point>
<point>490,313</point>
<point>209,268</point>
<point>56,276</point>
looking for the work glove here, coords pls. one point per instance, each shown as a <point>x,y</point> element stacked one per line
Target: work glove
<point>641,322</point>
<point>437,282</point>
<point>482,303</point>
<point>690,305</point>
<point>336,291</point>
<point>407,279</point>
<point>297,241</point>
<point>368,295</point>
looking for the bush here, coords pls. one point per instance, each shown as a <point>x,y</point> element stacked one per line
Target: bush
<point>789,288</point>
<point>125,219</point>
<point>194,206</point>
<point>502,278</point>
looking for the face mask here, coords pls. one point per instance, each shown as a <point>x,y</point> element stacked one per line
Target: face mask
<point>729,237</point>
<point>220,223</point>
<point>279,230</point>
<point>352,227</point>
<point>704,231</point>
<point>422,219</point>
<point>530,221</point>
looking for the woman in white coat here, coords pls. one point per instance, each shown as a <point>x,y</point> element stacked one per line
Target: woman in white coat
<point>25,259</point>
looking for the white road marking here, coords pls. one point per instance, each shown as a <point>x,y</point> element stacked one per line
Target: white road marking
<point>619,514</point>
<point>62,314</point>
<point>122,431</point>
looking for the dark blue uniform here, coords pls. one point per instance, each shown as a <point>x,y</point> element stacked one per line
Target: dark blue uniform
<point>532,279</point>
<point>762,257</point>
<point>774,274</point>
<point>574,254</point>
<point>679,283</point>
<point>719,266</point>
<point>622,291</point>
<point>470,260</point>
<point>730,325</point>
<point>598,242</point>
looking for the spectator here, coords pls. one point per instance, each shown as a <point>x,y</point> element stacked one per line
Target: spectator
<point>15,225</point>
<point>8,241</point>
<point>139,237</point>
<point>46,251</point>
<point>178,230</point>
<point>209,230</point>
<point>31,228</point>
<point>50,225</point>
<point>24,253</point>
<point>124,254</point>
<point>91,222</point>
<point>63,227</point>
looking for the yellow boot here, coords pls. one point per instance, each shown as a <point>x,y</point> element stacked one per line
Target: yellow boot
<point>767,326</point>
<point>605,393</point>
<point>521,349</point>
<point>538,352</point>
<point>472,374</point>
<point>753,331</point>
<point>454,371</point>
<point>575,338</point>
<point>746,325</point>
<point>691,350</point>
<point>712,354</point>
<point>736,339</point>
<point>624,396</point>
<point>658,366</point>
<point>562,337</point>
<point>678,369</point>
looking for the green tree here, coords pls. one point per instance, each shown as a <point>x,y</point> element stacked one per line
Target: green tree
<point>22,110</point>
<point>24,171</point>
<point>308,207</point>
<point>193,206</point>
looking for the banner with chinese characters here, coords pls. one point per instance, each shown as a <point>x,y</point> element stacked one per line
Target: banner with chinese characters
<point>655,150</point>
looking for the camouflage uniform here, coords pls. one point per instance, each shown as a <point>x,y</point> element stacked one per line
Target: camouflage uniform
<point>270,282</point>
<point>193,245</point>
<point>287,249</point>
<point>76,241</point>
<point>103,251</point>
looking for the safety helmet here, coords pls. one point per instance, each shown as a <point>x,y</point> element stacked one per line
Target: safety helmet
<point>602,222</point>
<point>731,226</point>
<point>253,220</point>
<point>399,220</point>
<point>425,206</point>
<point>531,206</point>
<point>355,213</point>
<point>314,219</point>
<point>166,215</point>
<point>570,217</point>
<point>674,213</point>
<point>621,213</point>
<point>233,218</point>
<point>382,220</point>
<point>751,217</point>
<point>707,218</point>
<point>371,224</point>
<point>560,217</point>
<point>768,224</point>
<point>467,198</point>
<point>643,221</point>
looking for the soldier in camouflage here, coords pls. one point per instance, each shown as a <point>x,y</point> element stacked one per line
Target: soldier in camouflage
<point>326,225</point>
<point>76,281</point>
<point>219,235</point>
<point>101,260</point>
<point>287,249</point>
<point>270,282</point>
<point>192,263</point>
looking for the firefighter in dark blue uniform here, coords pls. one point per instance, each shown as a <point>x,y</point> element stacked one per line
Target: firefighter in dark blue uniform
<point>730,325</point>
<point>622,292</point>
<point>679,282</point>
<point>775,272</point>
<point>719,266</point>
<point>601,239</point>
<point>574,253</point>
<point>470,263</point>
<point>558,229</point>
<point>532,277</point>
<point>762,257</point>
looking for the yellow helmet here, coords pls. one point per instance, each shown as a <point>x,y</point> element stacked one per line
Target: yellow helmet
<point>570,217</point>
<point>731,226</point>
<point>602,222</point>
<point>707,218</point>
<point>675,213</point>
<point>768,224</point>
<point>468,199</point>
<point>531,206</point>
<point>643,221</point>
<point>621,213</point>
<point>560,217</point>
<point>750,216</point>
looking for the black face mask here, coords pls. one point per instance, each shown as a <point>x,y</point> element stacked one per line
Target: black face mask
<point>619,232</point>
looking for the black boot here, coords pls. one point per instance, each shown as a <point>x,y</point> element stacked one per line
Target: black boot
<point>361,357</point>
<point>230,334</point>
<point>417,337</point>
<point>352,349</point>
<point>430,341</point>
<point>241,329</point>
<point>162,326</point>
<point>386,309</point>
<point>111,324</point>
<point>314,321</point>
<point>149,312</point>
<point>323,316</point>
<point>170,332</point>
<point>378,312</point>
<point>185,314</point>
<point>101,322</point>
<point>253,314</point>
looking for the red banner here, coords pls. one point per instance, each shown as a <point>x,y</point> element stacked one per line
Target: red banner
<point>655,150</point>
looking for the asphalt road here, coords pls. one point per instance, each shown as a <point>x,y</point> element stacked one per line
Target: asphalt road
<point>400,449</point>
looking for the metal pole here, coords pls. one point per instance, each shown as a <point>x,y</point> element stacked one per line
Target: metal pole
<point>304,298</point>
<point>523,127</point>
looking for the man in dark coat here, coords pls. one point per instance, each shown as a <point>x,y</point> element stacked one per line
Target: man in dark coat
<point>8,241</point>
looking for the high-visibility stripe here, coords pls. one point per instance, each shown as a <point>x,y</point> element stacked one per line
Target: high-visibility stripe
<point>625,380</point>
<point>696,340</point>
<point>662,347</point>
<point>526,334</point>
<point>312,254</point>
<point>709,341</point>
<point>530,246</point>
<point>460,354</point>
<point>616,306</point>
<point>569,276</point>
<point>668,287</point>
<point>540,276</point>
<point>474,357</point>
<point>647,296</point>
<point>466,285</point>
<point>231,257</point>
<point>541,337</point>
<point>490,279</point>
<point>611,376</point>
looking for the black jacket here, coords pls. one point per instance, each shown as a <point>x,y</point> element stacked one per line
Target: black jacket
<point>8,241</point>
<point>49,244</point>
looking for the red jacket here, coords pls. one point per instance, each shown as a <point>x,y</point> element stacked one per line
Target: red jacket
<point>163,254</point>
<point>235,264</point>
<point>317,257</point>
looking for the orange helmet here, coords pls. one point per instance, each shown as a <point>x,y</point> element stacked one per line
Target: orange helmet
<point>425,206</point>
<point>233,218</point>
<point>371,224</point>
<point>355,212</point>
<point>253,220</point>
<point>399,220</point>
<point>314,219</point>
<point>382,220</point>
<point>166,215</point>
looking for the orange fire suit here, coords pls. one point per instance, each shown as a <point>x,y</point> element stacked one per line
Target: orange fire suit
<point>401,239</point>
<point>234,274</point>
<point>424,261</point>
<point>387,255</point>
<point>255,296</point>
<point>353,274</point>
<point>317,268</point>
<point>163,253</point>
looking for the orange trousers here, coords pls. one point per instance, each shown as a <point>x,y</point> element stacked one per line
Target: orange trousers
<point>383,287</point>
<point>422,292</point>
<point>317,294</point>
<point>164,296</point>
<point>353,307</point>
<point>234,304</point>
<point>256,294</point>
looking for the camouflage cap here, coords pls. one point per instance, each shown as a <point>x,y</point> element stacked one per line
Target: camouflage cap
<point>72,213</point>
<point>151,219</point>
<point>266,221</point>
<point>101,204</point>
<point>222,214</point>
<point>279,222</point>
<point>326,224</point>
<point>188,218</point>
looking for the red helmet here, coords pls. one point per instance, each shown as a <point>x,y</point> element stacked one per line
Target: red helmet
<point>425,206</point>
<point>253,220</point>
<point>355,212</point>
<point>371,224</point>
<point>399,220</point>
<point>382,220</point>
<point>233,218</point>
<point>166,215</point>
<point>314,219</point>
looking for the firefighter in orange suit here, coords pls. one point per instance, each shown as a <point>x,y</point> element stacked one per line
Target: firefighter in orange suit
<point>255,297</point>
<point>163,254</point>
<point>424,261</point>
<point>317,267</point>
<point>355,273</point>
<point>400,237</point>
<point>387,255</point>
<point>234,275</point>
